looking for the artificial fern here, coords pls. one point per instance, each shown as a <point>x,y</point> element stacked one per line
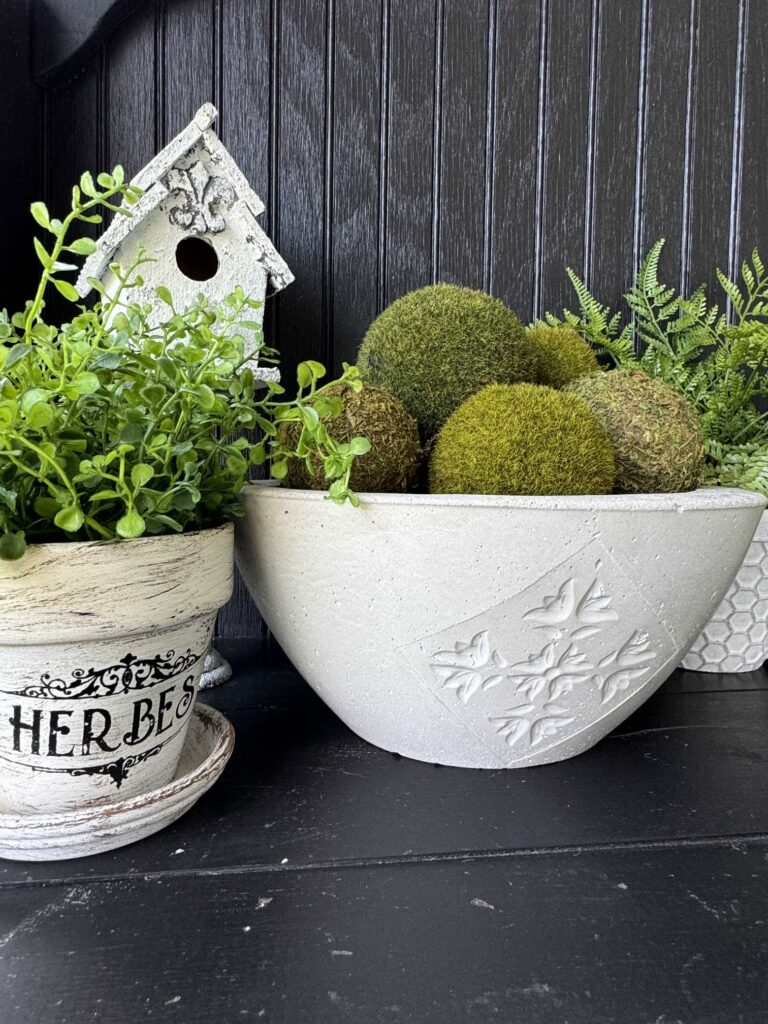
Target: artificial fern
<point>718,361</point>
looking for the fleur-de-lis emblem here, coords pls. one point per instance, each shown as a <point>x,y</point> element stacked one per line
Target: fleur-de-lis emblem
<point>199,199</point>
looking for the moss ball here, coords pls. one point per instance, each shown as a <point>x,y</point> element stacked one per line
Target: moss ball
<point>562,354</point>
<point>655,432</point>
<point>522,439</point>
<point>435,347</point>
<point>393,461</point>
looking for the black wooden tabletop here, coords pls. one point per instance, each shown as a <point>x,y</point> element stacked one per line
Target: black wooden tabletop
<point>323,880</point>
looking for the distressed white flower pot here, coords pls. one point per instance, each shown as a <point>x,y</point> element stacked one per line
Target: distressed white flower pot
<point>101,648</point>
<point>96,828</point>
<point>736,637</point>
<point>489,631</point>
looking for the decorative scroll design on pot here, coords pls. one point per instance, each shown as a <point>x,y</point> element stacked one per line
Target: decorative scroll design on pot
<point>558,673</point>
<point>131,673</point>
<point>624,665</point>
<point>533,724</point>
<point>199,199</point>
<point>117,770</point>
<point>469,667</point>
<point>549,680</point>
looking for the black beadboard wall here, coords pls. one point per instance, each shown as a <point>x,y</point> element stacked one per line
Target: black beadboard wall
<point>398,142</point>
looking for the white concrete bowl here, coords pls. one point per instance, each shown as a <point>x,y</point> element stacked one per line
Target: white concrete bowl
<point>489,631</point>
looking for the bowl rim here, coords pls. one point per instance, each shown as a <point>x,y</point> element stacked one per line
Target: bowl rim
<point>703,499</point>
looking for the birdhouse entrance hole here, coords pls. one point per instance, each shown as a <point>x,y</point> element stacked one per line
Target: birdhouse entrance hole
<point>196,259</point>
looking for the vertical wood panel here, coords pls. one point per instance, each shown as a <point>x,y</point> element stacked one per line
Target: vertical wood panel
<point>752,224</point>
<point>663,165</point>
<point>515,165</point>
<point>190,42</point>
<point>302,174</point>
<point>464,113</point>
<point>245,128</point>
<point>72,136</point>
<point>358,163</point>
<point>130,99</point>
<point>407,243</point>
<point>610,230</point>
<point>709,187</point>
<point>562,214</point>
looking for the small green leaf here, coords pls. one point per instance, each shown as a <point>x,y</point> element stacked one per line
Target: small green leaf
<point>69,519</point>
<point>39,416</point>
<point>105,495</point>
<point>16,354</point>
<point>47,507</point>
<point>279,469</point>
<point>82,246</point>
<point>109,361</point>
<point>8,498</point>
<point>172,524</point>
<point>164,295</point>
<point>12,546</point>
<point>40,212</point>
<point>66,289</point>
<point>86,183</point>
<point>130,525</point>
<point>141,474</point>
<point>32,397</point>
<point>84,383</point>
<point>205,396</point>
<point>42,253</point>
<point>359,446</point>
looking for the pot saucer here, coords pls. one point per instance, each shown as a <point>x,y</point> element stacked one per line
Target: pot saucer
<point>106,826</point>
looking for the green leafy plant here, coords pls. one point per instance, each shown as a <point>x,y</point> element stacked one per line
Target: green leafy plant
<point>717,358</point>
<point>113,425</point>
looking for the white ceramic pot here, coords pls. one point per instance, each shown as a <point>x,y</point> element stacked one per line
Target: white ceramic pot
<point>489,631</point>
<point>101,649</point>
<point>736,637</point>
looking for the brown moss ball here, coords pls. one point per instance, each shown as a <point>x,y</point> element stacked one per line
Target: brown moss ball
<point>393,461</point>
<point>655,432</point>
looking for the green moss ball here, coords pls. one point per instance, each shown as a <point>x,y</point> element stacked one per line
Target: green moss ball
<point>437,346</point>
<point>562,355</point>
<point>522,439</point>
<point>655,432</point>
<point>393,461</point>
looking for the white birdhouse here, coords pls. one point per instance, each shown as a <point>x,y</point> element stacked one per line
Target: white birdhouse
<point>197,221</point>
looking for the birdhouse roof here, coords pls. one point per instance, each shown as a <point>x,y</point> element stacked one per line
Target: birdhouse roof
<point>157,180</point>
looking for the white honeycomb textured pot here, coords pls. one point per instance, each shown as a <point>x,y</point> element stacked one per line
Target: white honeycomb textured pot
<point>489,631</point>
<point>736,637</point>
<point>101,648</point>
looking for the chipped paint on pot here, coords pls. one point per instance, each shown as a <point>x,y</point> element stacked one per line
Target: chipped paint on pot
<point>102,649</point>
<point>489,631</point>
